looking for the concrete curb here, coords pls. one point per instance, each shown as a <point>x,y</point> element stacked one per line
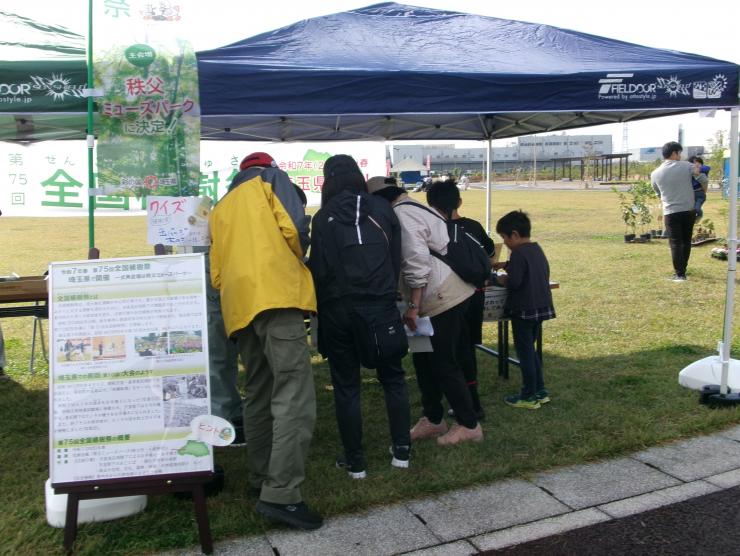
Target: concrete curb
<point>512,512</point>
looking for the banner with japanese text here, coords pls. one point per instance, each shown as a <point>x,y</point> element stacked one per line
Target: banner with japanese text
<point>128,368</point>
<point>149,126</point>
<point>50,178</point>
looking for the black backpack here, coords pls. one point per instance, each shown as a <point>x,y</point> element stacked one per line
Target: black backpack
<point>465,254</point>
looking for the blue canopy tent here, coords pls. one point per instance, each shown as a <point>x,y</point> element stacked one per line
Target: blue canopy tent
<point>392,71</point>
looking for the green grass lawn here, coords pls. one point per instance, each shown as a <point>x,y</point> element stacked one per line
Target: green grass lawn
<point>612,356</point>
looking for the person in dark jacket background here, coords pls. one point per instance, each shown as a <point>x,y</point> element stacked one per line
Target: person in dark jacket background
<point>355,260</point>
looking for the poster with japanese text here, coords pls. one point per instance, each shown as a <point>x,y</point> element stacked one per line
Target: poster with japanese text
<point>149,126</point>
<point>50,178</point>
<point>179,221</point>
<point>128,368</point>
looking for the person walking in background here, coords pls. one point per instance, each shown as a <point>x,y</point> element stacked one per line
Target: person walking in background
<point>355,261</point>
<point>430,288</point>
<point>445,197</point>
<point>672,182</point>
<point>700,191</point>
<point>259,236</point>
<point>528,303</point>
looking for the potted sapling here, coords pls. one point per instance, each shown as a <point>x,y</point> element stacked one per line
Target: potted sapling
<point>629,216</point>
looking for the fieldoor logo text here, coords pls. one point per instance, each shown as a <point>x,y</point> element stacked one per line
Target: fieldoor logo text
<point>618,86</point>
<point>56,86</point>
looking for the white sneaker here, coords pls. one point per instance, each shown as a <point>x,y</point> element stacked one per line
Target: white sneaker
<point>400,457</point>
<point>353,473</point>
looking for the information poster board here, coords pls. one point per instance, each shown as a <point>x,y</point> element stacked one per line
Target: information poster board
<point>128,368</point>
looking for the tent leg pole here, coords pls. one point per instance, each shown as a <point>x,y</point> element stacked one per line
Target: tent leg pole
<point>732,183</point>
<point>488,188</point>
<point>90,132</point>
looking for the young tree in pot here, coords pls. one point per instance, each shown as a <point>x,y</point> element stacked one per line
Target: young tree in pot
<point>656,211</point>
<point>642,193</point>
<point>629,217</point>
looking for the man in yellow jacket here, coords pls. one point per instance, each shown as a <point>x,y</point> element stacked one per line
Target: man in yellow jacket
<point>259,235</point>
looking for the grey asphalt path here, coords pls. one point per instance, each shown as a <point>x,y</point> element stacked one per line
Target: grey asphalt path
<point>511,512</point>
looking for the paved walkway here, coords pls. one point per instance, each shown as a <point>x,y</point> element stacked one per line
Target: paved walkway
<point>510,512</point>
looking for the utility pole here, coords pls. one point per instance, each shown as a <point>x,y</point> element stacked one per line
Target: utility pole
<point>625,137</point>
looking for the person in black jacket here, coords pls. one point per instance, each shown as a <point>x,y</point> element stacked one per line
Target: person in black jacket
<point>445,197</point>
<point>355,260</point>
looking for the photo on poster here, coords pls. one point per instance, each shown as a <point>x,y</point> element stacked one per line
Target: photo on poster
<point>186,341</point>
<point>151,344</point>
<point>186,387</point>
<point>185,397</point>
<point>107,348</point>
<point>74,350</point>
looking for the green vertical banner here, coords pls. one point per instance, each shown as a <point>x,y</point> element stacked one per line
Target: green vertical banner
<point>149,131</point>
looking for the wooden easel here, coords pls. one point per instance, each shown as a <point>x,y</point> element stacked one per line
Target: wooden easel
<point>164,484</point>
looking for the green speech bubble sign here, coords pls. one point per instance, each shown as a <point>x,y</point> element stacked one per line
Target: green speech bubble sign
<point>140,55</point>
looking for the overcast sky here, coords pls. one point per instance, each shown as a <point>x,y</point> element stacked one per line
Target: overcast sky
<point>709,29</point>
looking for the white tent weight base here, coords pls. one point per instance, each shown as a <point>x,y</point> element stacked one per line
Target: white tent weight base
<point>708,371</point>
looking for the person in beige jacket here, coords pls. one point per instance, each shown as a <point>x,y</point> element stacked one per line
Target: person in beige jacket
<point>431,289</point>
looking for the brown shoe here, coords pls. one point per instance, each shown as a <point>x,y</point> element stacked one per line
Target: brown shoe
<point>424,428</point>
<point>458,434</point>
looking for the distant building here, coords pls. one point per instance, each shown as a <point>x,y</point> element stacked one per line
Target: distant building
<point>523,152</point>
<point>651,154</point>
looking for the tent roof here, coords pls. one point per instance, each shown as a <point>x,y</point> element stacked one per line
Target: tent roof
<point>43,75</point>
<point>26,39</point>
<point>392,71</point>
